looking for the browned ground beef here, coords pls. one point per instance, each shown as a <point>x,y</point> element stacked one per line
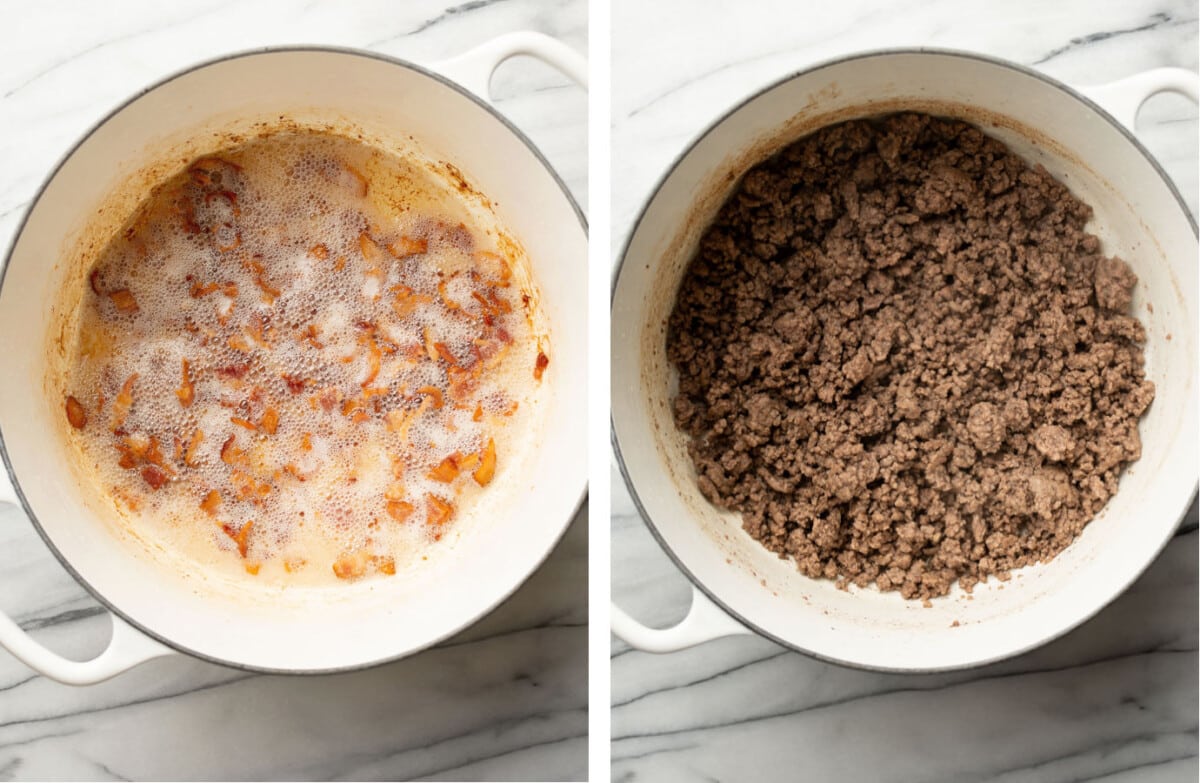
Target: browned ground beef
<point>903,360</point>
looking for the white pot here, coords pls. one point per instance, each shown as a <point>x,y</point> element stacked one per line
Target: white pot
<point>1138,215</point>
<point>390,100</point>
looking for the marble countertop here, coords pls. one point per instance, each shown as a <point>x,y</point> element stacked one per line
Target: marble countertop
<point>506,699</point>
<point>1114,700</point>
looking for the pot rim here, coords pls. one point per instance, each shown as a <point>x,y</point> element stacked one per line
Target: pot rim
<point>33,203</point>
<point>1050,81</point>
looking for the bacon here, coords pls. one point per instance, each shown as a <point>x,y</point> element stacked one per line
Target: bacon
<point>211,502</point>
<point>539,367</point>
<point>447,470</point>
<point>241,537</point>
<point>399,510</point>
<point>123,402</point>
<point>76,415</point>
<point>434,393</point>
<point>437,511</point>
<point>403,247</point>
<point>487,465</point>
<point>186,391</point>
<point>124,301</point>
<point>270,421</point>
<point>294,383</point>
<point>154,476</point>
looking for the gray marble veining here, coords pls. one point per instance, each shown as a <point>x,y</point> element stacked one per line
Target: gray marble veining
<point>1114,700</point>
<point>505,699</point>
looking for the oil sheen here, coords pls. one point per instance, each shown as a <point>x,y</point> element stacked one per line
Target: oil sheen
<point>303,361</point>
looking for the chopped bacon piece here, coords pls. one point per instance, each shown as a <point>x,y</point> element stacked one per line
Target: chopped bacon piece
<point>186,391</point>
<point>540,365</point>
<point>252,568</point>
<point>310,335</point>
<point>306,441</point>
<point>447,470</point>
<point>124,301</point>
<point>230,453</point>
<point>478,414</point>
<point>319,252</point>
<point>399,510</point>
<point>294,564</point>
<point>241,537</point>
<point>374,361</point>
<point>444,353</point>
<point>434,393</point>
<point>437,511</point>
<point>154,476</point>
<point>76,415</point>
<point>404,247</point>
<point>294,383</point>
<point>328,399</point>
<point>270,421</point>
<point>189,456</point>
<point>238,370</point>
<point>487,465</point>
<point>351,566</point>
<point>123,402</point>
<point>238,420</point>
<point>386,565</point>
<point>94,281</point>
<point>370,250</point>
<point>211,502</point>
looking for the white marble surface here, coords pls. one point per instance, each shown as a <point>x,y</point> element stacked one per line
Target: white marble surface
<point>507,699</point>
<point>1116,699</point>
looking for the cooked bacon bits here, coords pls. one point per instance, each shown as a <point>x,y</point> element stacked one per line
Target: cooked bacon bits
<point>403,247</point>
<point>437,511</point>
<point>154,476</point>
<point>186,391</point>
<point>539,367</point>
<point>293,389</point>
<point>211,502</point>
<point>487,465</point>
<point>240,536</point>
<point>123,402</point>
<point>399,510</point>
<point>123,300</point>
<point>270,421</point>
<point>76,415</point>
<point>447,470</point>
<point>434,394</point>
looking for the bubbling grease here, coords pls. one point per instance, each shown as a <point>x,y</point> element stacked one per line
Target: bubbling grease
<point>304,357</point>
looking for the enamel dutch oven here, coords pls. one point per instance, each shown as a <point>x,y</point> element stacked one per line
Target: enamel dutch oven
<point>434,111</point>
<point>740,587</point>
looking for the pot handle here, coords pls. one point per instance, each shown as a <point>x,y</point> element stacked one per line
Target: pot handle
<point>127,648</point>
<point>705,621</point>
<point>1124,97</point>
<point>473,69</point>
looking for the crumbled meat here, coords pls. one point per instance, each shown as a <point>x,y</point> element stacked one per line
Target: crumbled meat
<point>903,360</point>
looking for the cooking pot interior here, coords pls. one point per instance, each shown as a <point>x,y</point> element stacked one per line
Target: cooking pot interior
<point>1137,216</point>
<point>388,104</point>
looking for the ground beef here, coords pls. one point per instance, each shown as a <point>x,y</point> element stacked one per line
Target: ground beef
<point>903,360</point>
